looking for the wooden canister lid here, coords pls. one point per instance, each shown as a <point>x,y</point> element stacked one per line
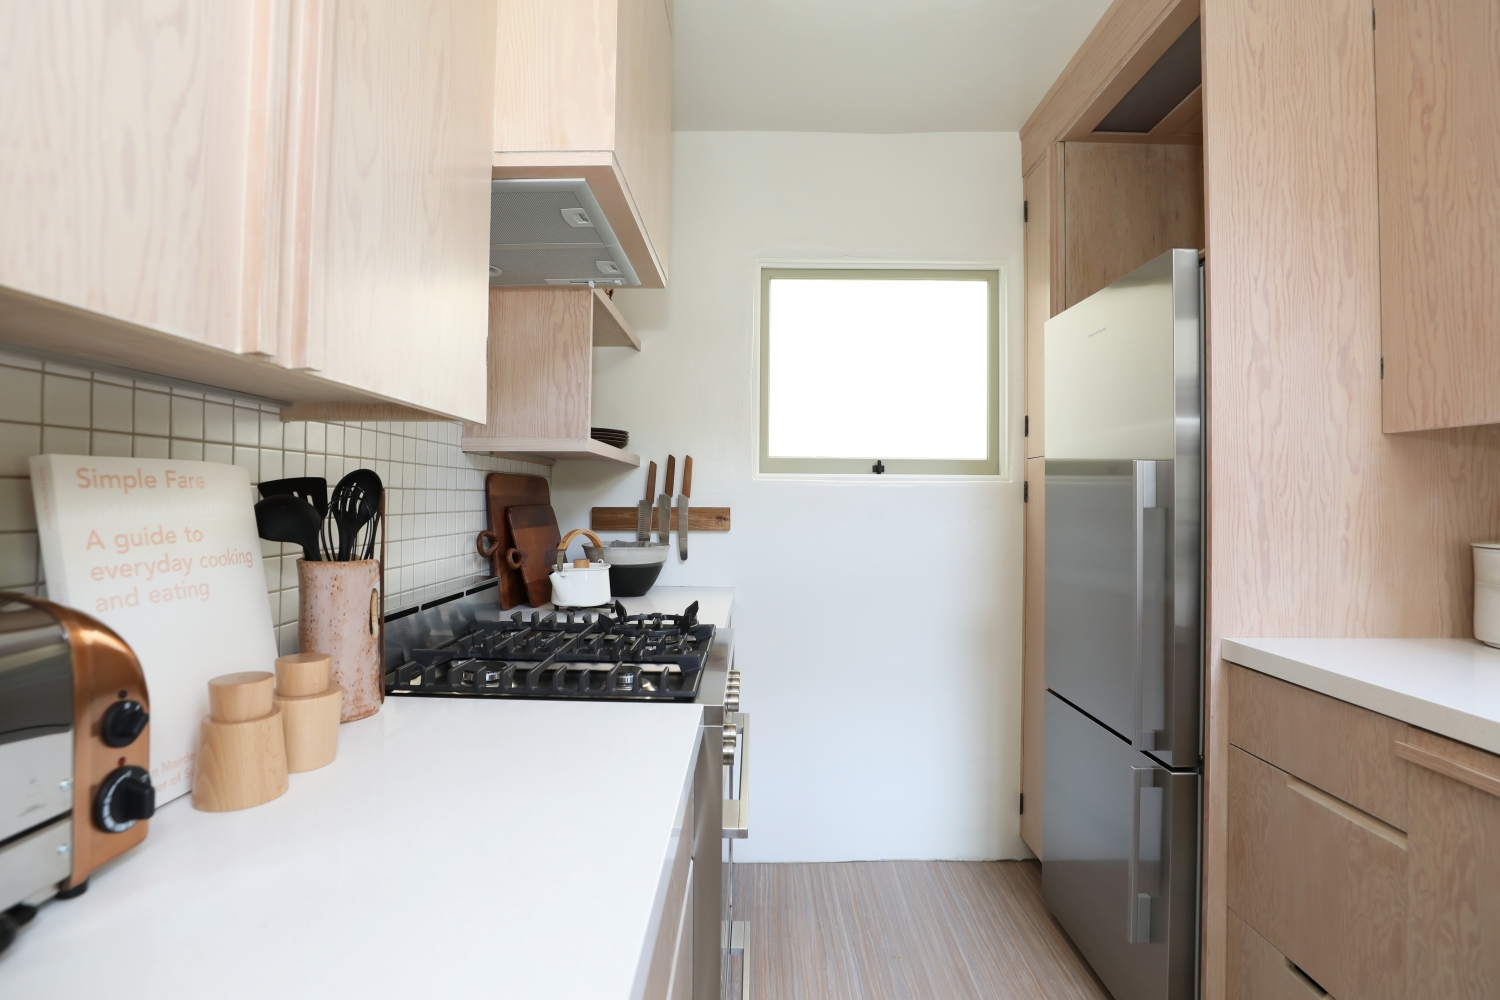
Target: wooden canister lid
<point>240,697</point>
<point>302,674</point>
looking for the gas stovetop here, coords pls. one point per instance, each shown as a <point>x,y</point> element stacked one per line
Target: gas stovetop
<point>604,655</point>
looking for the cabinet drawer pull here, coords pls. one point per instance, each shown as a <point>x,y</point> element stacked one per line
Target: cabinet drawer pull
<point>1448,768</point>
<point>1307,982</point>
<point>1350,814</point>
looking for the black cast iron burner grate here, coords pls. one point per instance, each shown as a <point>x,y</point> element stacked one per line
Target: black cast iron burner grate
<point>594,655</point>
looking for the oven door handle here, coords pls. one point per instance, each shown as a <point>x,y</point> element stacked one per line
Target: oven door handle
<point>737,807</point>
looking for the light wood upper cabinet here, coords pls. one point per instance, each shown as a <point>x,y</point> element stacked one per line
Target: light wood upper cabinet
<point>398,250</point>
<point>137,166</point>
<point>196,189</point>
<point>583,88</point>
<point>1437,96</point>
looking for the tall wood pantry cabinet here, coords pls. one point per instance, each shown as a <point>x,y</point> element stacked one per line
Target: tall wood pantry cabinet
<point>276,197</point>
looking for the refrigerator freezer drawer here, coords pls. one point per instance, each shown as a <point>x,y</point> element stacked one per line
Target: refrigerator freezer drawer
<point>1121,873</point>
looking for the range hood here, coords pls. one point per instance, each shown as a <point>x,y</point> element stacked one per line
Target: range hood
<point>551,231</point>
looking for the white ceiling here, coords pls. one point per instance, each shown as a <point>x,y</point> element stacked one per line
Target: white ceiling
<point>871,65</point>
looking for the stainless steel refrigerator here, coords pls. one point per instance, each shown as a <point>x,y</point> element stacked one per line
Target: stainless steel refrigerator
<point>1123,753</point>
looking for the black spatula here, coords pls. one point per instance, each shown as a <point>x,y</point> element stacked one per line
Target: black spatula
<point>286,518</point>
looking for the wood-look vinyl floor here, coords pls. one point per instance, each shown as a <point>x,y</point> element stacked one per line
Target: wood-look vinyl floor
<point>905,930</point>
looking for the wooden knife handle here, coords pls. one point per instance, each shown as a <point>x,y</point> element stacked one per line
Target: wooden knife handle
<point>687,475</point>
<point>651,483</point>
<point>671,473</point>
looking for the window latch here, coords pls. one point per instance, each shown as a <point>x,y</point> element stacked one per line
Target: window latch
<point>878,468</point>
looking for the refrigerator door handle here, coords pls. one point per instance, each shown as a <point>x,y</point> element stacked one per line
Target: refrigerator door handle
<point>1152,630</point>
<point>1138,914</point>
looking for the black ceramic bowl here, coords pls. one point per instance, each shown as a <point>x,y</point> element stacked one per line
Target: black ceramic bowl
<point>632,568</point>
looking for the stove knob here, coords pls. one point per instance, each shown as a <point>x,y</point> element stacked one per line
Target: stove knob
<point>123,722</point>
<point>125,796</point>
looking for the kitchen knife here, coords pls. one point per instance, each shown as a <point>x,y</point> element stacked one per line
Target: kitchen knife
<point>643,509</point>
<point>682,506</point>
<point>664,505</point>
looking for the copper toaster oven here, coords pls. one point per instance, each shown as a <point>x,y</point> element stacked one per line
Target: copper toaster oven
<point>74,754</point>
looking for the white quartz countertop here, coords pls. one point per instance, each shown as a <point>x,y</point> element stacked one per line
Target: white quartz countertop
<point>455,848</point>
<point>1448,686</point>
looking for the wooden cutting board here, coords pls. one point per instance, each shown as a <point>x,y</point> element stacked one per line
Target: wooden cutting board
<point>534,528</point>
<point>504,490</point>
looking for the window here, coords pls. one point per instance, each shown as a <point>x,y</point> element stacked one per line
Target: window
<point>896,367</point>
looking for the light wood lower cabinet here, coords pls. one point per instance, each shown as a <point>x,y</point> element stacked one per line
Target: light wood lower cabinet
<point>1257,971</point>
<point>1341,748</point>
<point>1322,881</point>
<point>1454,888</point>
<point>1403,903</point>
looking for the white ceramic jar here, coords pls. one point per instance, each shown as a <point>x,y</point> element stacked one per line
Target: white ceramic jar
<point>1487,592</point>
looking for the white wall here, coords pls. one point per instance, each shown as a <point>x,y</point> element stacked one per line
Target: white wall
<point>896,732</point>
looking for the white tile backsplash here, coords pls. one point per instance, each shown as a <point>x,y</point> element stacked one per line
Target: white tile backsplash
<point>434,491</point>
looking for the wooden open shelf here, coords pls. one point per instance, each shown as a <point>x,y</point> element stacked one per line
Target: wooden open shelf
<point>552,449</point>
<point>542,343</point>
<point>610,328</point>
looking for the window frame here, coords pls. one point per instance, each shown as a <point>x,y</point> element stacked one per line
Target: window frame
<point>989,467</point>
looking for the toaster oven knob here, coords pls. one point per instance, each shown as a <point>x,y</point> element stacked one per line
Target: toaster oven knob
<point>123,722</point>
<point>125,796</point>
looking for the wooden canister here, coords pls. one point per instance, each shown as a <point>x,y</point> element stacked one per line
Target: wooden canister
<point>310,707</point>
<point>340,615</point>
<point>241,747</point>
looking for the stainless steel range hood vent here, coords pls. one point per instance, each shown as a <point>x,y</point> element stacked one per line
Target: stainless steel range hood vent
<point>552,232</point>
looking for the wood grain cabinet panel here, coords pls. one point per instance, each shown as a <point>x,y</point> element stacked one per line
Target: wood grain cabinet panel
<point>1344,750</point>
<point>193,189</point>
<point>1324,883</point>
<point>541,374</point>
<point>1437,95</point>
<point>1124,204</point>
<point>1033,676</point>
<point>1453,933</point>
<point>1257,971</point>
<point>399,255</point>
<point>137,159</point>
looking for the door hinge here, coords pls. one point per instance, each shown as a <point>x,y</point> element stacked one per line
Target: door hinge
<point>1023,803</point>
<point>1025,491</point>
<point>1382,367</point>
<point>1026,426</point>
<point>1025,211</point>
<point>1372,18</point>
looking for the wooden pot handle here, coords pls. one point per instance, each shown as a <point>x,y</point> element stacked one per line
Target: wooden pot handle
<point>562,546</point>
<point>513,558</point>
<point>488,553</point>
